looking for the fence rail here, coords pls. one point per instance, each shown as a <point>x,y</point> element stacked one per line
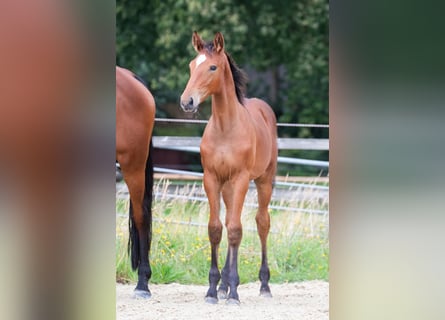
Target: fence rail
<point>278,183</point>
<point>179,143</point>
<point>123,194</point>
<point>191,144</point>
<point>196,121</point>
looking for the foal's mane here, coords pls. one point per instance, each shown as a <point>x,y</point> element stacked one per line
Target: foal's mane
<point>238,75</point>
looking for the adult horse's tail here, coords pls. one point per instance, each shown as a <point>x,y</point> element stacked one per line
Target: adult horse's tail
<point>133,240</point>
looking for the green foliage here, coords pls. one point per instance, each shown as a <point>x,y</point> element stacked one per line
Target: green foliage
<point>154,39</point>
<point>308,76</point>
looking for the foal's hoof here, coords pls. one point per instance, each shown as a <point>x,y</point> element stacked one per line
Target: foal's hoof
<point>265,294</point>
<point>222,294</point>
<point>232,302</point>
<point>211,300</point>
<point>142,294</point>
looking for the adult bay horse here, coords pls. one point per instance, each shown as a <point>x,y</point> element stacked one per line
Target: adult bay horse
<point>135,112</point>
<point>239,144</point>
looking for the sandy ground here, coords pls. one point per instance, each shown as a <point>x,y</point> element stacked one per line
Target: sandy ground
<point>303,300</point>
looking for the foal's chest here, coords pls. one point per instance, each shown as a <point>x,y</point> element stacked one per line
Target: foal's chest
<point>225,157</point>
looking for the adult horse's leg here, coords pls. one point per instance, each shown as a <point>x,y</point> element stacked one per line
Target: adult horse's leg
<point>264,187</point>
<point>139,224</point>
<point>212,189</point>
<point>144,249</point>
<point>235,191</point>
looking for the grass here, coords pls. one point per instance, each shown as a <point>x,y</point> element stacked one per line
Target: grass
<point>297,245</point>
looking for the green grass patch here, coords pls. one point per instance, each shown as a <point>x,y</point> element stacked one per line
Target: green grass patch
<point>298,246</point>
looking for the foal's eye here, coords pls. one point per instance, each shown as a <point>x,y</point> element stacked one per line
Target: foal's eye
<point>213,68</point>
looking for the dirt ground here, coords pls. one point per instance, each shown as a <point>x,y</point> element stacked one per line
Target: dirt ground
<point>301,300</point>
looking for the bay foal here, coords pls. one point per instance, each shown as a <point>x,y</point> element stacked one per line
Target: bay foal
<point>239,144</point>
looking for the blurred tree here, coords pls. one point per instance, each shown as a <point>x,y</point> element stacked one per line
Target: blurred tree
<point>284,46</point>
<point>153,38</point>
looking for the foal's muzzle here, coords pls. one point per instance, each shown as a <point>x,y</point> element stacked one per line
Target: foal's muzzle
<point>189,106</point>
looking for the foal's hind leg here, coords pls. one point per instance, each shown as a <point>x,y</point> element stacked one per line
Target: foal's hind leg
<point>262,218</point>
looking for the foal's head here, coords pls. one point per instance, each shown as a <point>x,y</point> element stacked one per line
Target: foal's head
<point>207,71</point>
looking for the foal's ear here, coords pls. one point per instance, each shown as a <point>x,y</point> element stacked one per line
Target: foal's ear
<point>197,42</point>
<point>218,42</point>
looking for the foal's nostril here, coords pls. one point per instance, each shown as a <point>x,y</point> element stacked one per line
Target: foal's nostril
<point>187,105</point>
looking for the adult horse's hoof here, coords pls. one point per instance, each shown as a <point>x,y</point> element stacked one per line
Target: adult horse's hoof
<point>119,175</point>
<point>211,300</point>
<point>142,294</point>
<point>232,302</point>
<point>265,294</point>
<point>222,294</point>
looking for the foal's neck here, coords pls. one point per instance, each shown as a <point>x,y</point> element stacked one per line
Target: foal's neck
<point>226,109</point>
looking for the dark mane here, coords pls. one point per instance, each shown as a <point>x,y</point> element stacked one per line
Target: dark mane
<point>239,76</point>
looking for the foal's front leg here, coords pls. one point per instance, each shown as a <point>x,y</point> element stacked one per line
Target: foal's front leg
<point>212,189</point>
<point>234,193</point>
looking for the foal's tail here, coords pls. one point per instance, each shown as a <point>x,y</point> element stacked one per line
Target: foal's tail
<point>133,240</point>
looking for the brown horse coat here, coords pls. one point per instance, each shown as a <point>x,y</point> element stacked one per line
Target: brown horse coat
<point>135,112</point>
<point>239,144</point>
